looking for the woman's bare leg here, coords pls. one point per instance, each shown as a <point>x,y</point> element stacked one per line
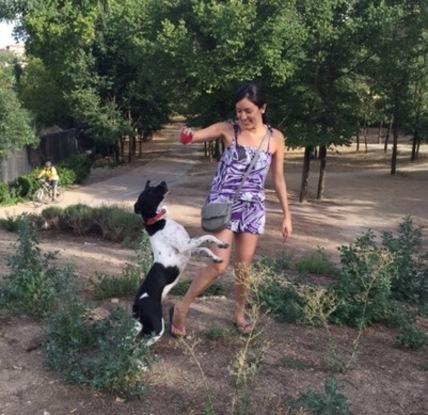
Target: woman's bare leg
<point>245,248</point>
<point>202,282</point>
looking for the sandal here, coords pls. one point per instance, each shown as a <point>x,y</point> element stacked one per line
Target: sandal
<point>174,330</point>
<point>244,327</point>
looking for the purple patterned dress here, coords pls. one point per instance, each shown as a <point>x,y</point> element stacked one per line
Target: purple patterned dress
<point>248,210</point>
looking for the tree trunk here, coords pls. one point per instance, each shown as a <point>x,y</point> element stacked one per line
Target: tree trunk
<point>379,134</point>
<point>116,151</point>
<point>140,146</point>
<point>121,149</point>
<point>388,133</point>
<point>394,148</point>
<point>321,179</point>
<point>305,173</point>
<point>414,145</point>
<point>358,139</point>
<point>366,130</point>
<point>130,148</point>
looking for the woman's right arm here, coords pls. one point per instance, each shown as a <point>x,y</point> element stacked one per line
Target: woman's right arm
<point>217,130</point>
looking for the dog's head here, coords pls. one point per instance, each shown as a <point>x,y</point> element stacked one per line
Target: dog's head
<point>150,198</point>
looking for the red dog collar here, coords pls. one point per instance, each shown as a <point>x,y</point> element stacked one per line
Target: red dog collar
<point>157,217</point>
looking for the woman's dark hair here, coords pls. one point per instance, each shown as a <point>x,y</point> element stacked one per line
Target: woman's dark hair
<point>254,92</point>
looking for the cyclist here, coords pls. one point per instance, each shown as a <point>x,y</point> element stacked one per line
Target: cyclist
<point>50,174</point>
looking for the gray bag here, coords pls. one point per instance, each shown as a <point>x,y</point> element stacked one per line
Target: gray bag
<point>216,216</point>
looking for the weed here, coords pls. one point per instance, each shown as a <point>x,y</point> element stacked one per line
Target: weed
<point>109,286</point>
<point>317,263</point>
<point>104,354</point>
<point>77,218</point>
<point>410,283</point>
<point>181,288</point>
<point>409,336</point>
<point>217,333</point>
<point>328,403</point>
<point>34,286</point>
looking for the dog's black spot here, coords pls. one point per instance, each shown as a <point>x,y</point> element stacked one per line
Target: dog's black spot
<point>148,310</point>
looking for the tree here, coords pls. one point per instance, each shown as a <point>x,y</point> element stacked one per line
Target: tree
<point>15,122</point>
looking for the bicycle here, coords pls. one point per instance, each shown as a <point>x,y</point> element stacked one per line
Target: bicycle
<point>44,194</point>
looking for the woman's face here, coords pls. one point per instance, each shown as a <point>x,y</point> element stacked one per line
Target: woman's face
<point>248,114</point>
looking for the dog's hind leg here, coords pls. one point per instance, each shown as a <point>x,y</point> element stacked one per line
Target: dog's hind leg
<point>207,252</point>
<point>195,242</point>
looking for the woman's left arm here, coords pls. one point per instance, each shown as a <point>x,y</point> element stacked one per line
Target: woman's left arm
<point>279,182</point>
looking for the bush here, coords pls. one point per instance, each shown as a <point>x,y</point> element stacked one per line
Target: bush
<point>26,185</point>
<point>363,285</point>
<point>132,274</point>
<point>409,336</point>
<point>110,286</point>
<point>78,218</point>
<point>411,280</point>
<point>329,403</point>
<point>116,223</point>
<point>67,176</point>
<point>7,195</point>
<point>79,164</point>
<point>103,354</point>
<point>316,263</point>
<point>34,286</point>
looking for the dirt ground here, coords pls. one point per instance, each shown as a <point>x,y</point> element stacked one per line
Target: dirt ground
<point>360,194</point>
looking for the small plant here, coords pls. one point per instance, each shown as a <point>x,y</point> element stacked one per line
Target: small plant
<point>181,288</point>
<point>363,285</point>
<point>409,335</point>
<point>115,223</point>
<point>329,403</point>
<point>79,164</point>
<point>109,286</point>
<point>34,286</point>
<point>317,263</point>
<point>410,283</point>
<point>8,195</point>
<point>217,333</point>
<point>103,354</point>
<point>78,218</point>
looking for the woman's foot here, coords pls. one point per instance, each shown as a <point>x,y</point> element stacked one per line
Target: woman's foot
<point>175,328</point>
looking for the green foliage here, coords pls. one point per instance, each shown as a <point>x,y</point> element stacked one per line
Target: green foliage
<point>133,273</point>
<point>66,175</point>
<point>363,284</point>
<point>7,195</point>
<point>316,263</point>
<point>15,121</point>
<point>109,286</point>
<point>78,218</point>
<point>80,164</point>
<point>12,223</point>
<point>117,223</point>
<point>34,286</point>
<point>102,354</point>
<point>409,335</point>
<point>217,333</point>
<point>181,288</point>
<point>411,280</point>
<point>328,403</point>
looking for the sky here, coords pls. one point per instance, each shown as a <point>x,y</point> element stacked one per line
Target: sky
<point>6,34</point>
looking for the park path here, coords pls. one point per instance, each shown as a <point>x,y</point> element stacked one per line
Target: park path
<point>165,159</point>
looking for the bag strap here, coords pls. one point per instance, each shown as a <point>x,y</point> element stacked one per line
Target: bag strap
<point>252,164</point>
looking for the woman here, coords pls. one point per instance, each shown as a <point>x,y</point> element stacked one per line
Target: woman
<point>241,140</point>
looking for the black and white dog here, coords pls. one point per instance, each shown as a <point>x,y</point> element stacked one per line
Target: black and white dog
<point>172,247</point>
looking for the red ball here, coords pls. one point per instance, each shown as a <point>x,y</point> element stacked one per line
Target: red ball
<point>185,138</point>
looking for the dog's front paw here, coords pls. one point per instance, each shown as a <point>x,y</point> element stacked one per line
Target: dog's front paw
<point>223,245</point>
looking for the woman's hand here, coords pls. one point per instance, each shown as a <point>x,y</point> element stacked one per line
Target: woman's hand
<point>186,135</point>
<point>287,227</point>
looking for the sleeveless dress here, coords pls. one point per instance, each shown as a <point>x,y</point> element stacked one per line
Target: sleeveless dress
<point>248,210</point>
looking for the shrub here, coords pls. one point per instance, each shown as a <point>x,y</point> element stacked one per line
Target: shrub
<point>34,286</point>
<point>79,164</point>
<point>26,185</point>
<point>409,336</point>
<point>79,218</point>
<point>103,354</point>
<point>116,223</point>
<point>331,402</point>
<point>363,285</point>
<point>67,176</point>
<point>128,282</point>
<point>110,286</point>
<point>276,294</point>
<point>411,281</point>
<point>316,263</point>
<point>7,195</point>
<point>181,288</point>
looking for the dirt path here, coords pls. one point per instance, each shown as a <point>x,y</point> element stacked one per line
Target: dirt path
<point>360,194</point>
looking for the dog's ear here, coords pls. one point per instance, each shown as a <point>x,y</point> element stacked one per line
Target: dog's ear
<point>147,185</point>
<point>137,209</point>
